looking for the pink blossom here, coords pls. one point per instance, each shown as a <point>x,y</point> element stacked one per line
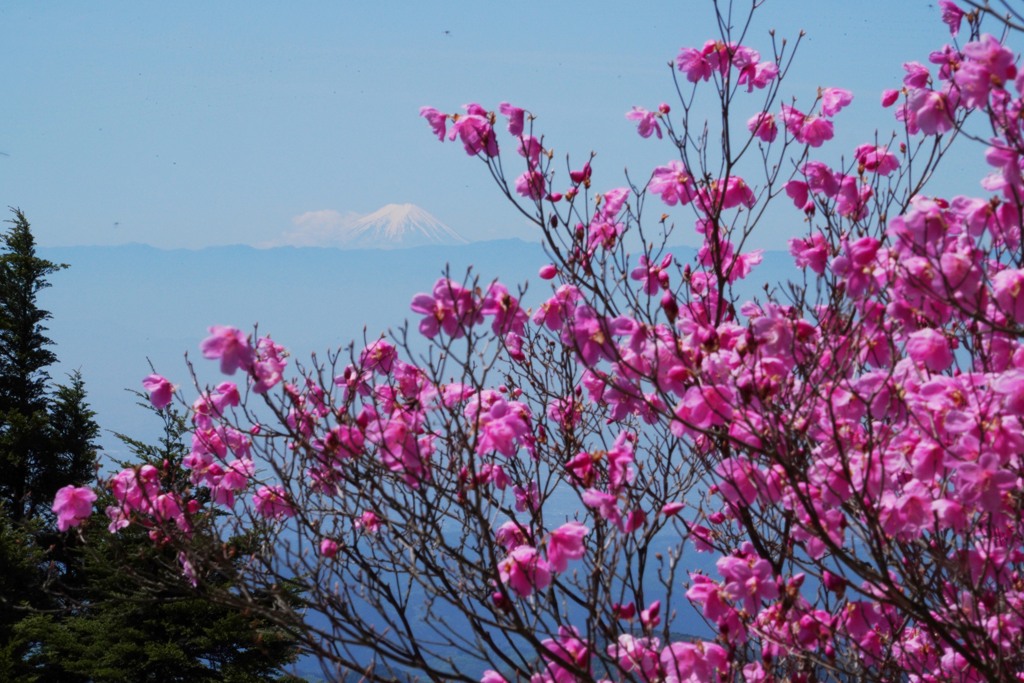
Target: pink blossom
<point>1008,285</point>
<point>833,100</point>
<point>268,370</point>
<point>328,548</point>
<point>272,502</point>
<point>820,178</point>
<point>757,75</point>
<point>811,252</point>
<point>673,183</point>
<point>748,579</point>
<point>670,509</point>
<point>763,126</point>
<point>647,121</point>
<point>72,505</point>
<point>566,543</point>
<point>368,521</point>
<point>930,112</point>
<point>930,348</point>
<point>581,176</point>
<point>511,535</point>
<point>437,121</point>
<point>653,276</point>
<point>606,505</point>
<point>917,75</point>
<point>636,654</point>
<point>231,346</point>
<point>951,15</point>
<point>516,117</point>
<point>689,662</point>
<point>531,184</point>
<point>876,159</point>
<point>529,147</point>
<point>695,64</point>
<point>476,132</point>
<point>650,617</point>
<point>451,309</point>
<point>809,130</point>
<point>524,571</point>
<point>889,97</point>
<point>160,390</point>
<point>987,64</point>
<point>379,356</point>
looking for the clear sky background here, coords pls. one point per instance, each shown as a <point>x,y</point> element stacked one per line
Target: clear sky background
<point>190,124</point>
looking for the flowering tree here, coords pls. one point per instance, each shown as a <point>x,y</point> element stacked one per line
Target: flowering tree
<point>528,497</point>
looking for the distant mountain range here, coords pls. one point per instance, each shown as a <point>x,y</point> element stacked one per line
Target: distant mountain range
<point>390,227</point>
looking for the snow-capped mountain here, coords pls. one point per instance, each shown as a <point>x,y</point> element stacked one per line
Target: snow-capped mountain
<point>389,227</point>
<point>398,225</point>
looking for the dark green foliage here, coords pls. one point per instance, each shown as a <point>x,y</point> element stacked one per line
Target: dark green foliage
<point>133,616</point>
<point>89,605</point>
<point>29,472</point>
<point>131,630</point>
<point>47,441</point>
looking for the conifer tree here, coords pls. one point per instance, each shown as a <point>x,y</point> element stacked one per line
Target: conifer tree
<point>31,469</point>
<point>47,441</point>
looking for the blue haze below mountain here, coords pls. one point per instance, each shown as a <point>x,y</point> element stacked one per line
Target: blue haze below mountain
<point>116,307</point>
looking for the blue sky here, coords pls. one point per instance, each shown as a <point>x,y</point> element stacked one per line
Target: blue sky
<point>190,124</point>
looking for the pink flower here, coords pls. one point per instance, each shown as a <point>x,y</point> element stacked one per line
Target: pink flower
<point>820,178</point>
<point>695,64</point>
<point>673,183</point>
<point>328,548</point>
<point>756,75</point>
<point>452,309</point>
<point>952,16</point>
<point>436,119</point>
<point>763,126</point>
<point>809,130</point>
<point>72,505</point>
<point>654,276</point>
<point>476,132</point>
<point>368,521</point>
<point>889,97</point>
<point>930,348</point>
<point>650,617</point>
<point>648,121</point>
<point>686,662</point>
<point>231,346</point>
<point>917,75</point>
<point>272,502</point>
<point>930,112</point>
<point>877,159</point>
<point>516,117</point>
<point>160,390</point>
<point>987,64</point>
<point>833,100</point>
<point>748,579</point>
<point>582,175</point>
<point>524,571</point>
<point>811,252</point>
<point>1007,286</point>
<point>566,543</point>
<point>530,184</point>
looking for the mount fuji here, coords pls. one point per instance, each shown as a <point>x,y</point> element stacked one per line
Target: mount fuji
<point>399,225</point>
<point>393,226</point>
